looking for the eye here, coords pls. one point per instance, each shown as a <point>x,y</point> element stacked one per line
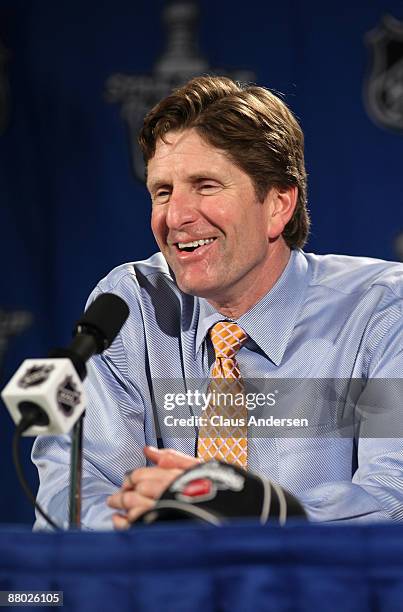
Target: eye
<point>208,187</point>
<point>161,196</point>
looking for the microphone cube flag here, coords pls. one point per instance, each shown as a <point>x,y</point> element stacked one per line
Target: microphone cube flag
<point>51,385</point>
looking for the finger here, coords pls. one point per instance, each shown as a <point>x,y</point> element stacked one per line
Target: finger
<point>152,474</point>
<point>134,513</point>
<point>154,488</point>
<point>135,476</point>
<point>128,483</point>
<point>120,522</point>
<point>132,479</point>
<point>135,500</point>
<point>124,500</point>
<point>168,458</point>
<point>115,501</point>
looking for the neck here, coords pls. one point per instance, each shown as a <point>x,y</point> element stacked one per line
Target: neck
<point>234,306</point>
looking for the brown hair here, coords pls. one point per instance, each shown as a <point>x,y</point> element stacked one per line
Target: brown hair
<point>256,129</point>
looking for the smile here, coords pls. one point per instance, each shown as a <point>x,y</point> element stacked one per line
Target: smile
<point>193,251</point>
<point>195,244</point>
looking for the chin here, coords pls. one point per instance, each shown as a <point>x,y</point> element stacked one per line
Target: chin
<point>196,290</point>
<point>191,290</point>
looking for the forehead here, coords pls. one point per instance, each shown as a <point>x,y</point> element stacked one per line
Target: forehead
<point>185,151</point>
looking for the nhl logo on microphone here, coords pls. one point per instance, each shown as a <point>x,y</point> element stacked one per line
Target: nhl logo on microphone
<point>68,397</point>
<point>36,375</point>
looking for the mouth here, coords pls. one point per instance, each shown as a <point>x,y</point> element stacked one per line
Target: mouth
<point>185,250</point>
<point>189,247</point>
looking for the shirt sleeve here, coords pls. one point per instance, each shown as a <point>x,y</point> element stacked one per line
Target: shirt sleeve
<point>375,492</point>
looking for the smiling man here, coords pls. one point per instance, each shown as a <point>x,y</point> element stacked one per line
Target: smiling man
<point>226,175</point>
<point>221,241</point>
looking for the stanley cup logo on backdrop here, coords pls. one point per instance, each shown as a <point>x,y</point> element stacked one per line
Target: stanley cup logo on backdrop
<point>180,61</point>
<point>384,86</point>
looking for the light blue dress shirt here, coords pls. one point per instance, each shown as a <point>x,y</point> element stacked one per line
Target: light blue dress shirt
<point>327,316</point>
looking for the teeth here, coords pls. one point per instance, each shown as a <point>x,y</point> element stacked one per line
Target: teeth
<point>195,243</point>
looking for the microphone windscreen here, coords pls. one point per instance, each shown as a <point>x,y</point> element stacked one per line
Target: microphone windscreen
<point>216,492</point>
<point>104,318</point>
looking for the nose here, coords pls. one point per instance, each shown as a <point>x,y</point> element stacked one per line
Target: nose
<point>182,209</point>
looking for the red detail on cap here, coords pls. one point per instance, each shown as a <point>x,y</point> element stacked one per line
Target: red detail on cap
<point>197,488</point>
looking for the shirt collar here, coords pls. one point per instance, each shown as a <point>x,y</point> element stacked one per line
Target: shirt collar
<point>271,321</point>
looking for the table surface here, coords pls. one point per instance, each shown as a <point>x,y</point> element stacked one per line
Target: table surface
<point>190,567</point>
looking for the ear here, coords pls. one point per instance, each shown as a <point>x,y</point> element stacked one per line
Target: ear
<point>281,203</point>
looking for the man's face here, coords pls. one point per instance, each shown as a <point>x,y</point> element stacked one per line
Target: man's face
<point>198,194</point>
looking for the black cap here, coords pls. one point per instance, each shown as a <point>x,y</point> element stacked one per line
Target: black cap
<point>216,492</point>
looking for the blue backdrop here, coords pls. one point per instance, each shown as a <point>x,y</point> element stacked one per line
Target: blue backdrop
<point>71,208</point>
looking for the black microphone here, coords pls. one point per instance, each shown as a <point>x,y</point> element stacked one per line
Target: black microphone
<point>49,393</point>
<point>95,331</point>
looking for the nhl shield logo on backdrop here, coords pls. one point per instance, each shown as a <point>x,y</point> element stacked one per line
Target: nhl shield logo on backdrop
<point>384,86</point>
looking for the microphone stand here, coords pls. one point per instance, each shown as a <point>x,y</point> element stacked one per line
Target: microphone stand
<point>94,333</point>
<point>76,469</point>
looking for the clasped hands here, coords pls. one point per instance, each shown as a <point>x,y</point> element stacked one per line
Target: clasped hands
<point>143,486</point>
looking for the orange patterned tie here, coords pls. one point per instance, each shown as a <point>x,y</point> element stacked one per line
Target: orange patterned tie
<point>226,437</point>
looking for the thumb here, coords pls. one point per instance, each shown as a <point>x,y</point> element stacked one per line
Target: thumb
<point>168,458</point>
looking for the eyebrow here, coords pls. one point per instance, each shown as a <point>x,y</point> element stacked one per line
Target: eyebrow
<point>203,176</point>
<point>156,184</point>
<point>192,178</point>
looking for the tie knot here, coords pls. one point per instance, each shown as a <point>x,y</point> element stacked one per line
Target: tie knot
<point>227,339</point>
